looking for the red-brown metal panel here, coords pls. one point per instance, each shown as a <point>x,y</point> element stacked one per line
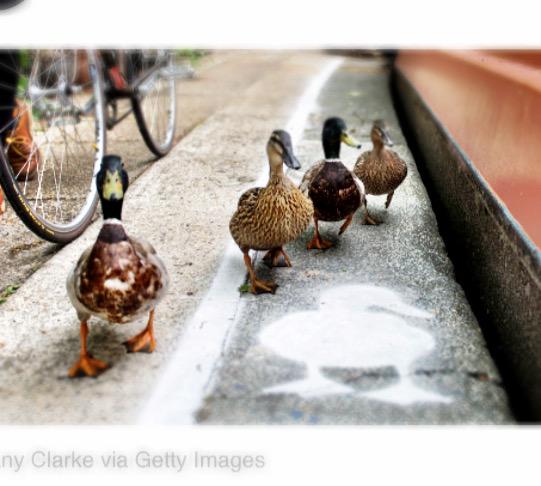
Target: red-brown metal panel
<point>491,104</point>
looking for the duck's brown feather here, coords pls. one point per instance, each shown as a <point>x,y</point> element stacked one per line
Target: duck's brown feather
<point>270,217</point>
<point>309,176</point>
<point>333,191</point>
<point>381,172</point>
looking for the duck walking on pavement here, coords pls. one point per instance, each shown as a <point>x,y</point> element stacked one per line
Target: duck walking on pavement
<point>269,217</point>
<point>119,277</point>
<point>381,170</point>
<point>333,189</point>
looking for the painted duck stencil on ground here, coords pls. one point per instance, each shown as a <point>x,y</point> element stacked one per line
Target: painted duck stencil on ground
<point>357,326</point>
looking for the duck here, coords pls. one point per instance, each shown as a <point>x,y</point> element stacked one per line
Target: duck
<point>335,192</point>
<point>269,217</point>
<point>381,170</point>
<point>356,326</point>
<point>117,278</point>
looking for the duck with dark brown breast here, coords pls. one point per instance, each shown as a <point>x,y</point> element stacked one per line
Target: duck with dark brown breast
<point>333,189</point>
<point>119,277</point>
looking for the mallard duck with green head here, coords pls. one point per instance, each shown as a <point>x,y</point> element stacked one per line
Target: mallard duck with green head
<point>381,169</point>
<point>269,217</point>
<point>119,277</point>
<point>335,192</point>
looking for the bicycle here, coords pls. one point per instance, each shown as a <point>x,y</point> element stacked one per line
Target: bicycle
<point>72,97</point>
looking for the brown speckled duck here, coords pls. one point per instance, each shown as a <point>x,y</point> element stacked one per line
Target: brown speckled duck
<point>381,170</point>
<point>119,277</point>
<point>269,217</point>
<point>335,192</point>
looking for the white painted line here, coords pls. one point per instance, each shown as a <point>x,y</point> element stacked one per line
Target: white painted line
<point>188,377</point>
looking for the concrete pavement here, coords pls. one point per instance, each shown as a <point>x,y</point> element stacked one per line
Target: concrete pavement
<point>375,330</point>
<point>222,77</point>
<point>182,204</point>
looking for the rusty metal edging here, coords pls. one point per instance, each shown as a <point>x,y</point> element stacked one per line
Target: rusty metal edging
<point>495,261</point>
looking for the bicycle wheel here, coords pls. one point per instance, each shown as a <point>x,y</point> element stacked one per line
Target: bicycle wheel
<point>154,104</point>
<point>60,99</point>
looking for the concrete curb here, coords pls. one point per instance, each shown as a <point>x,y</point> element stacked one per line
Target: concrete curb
<point>496,263</point>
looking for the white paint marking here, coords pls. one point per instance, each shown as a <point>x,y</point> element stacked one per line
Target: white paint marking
<point>188,377</point>
<point>350,331</point>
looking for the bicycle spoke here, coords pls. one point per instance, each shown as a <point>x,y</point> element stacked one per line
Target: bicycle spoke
<point>157,101</point>
<point>57,93</point>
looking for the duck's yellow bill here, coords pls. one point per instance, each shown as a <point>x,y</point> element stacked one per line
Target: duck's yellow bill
<point>112,187</point>
<point>349,140</point>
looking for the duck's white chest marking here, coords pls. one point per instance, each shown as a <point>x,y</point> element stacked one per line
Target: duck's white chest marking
<point>116,284</point>
<point>350,331</point>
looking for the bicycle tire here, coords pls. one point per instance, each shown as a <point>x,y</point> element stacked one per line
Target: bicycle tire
<point>55,232</point>
<point>156,146</point>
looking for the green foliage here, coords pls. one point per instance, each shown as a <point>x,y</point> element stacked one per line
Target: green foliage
<point>22,86</point>
<point>25,64</point>
<point>244,288</point>
<point>25,59</point>
<point>9,290</point>
<point>191,55</point>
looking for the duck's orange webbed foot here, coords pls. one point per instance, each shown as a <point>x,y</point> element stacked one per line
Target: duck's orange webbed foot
<point>370,220</point>
<point>319,243</point>
<point>87,366</point>
<point>276,257</point>
<point>263,286</point>
<point>144,341</point>
<point>257,286</point>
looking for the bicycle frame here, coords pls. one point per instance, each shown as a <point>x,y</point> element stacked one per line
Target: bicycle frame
<point>112,94</point>
<point>130,91</point>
